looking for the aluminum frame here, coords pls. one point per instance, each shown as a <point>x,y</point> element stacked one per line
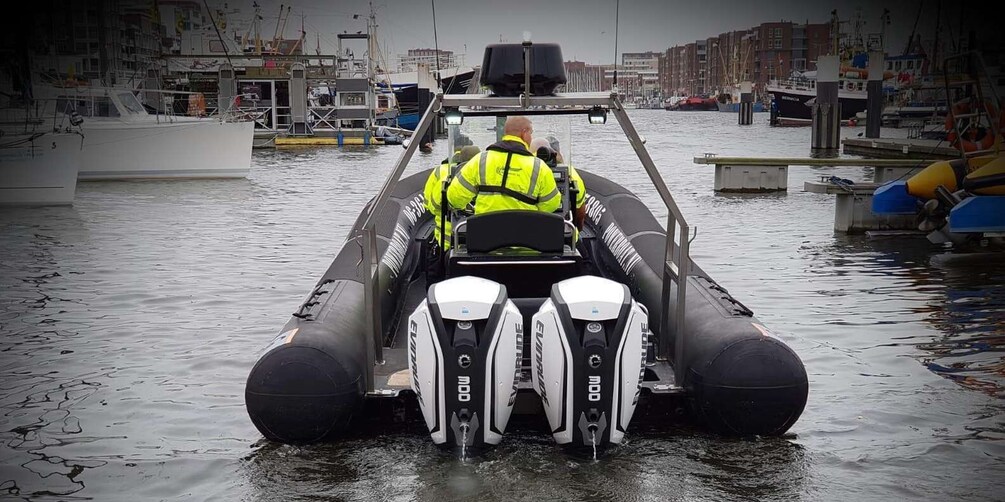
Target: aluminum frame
<point>676,259</point>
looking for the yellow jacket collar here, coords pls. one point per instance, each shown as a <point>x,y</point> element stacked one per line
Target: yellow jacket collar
<point>510,137</point>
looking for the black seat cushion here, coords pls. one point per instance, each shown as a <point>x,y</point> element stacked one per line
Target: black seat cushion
<point>543,232</point>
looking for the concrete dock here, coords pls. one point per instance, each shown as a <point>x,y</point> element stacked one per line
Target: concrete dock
<point>771,174</point>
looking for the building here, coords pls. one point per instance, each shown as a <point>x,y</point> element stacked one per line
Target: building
<point>785,47</point>
<point>585,77</point>
<point>641,75</point>
<point>409,62</point>
<point>759,54</point>
<point>114,41</point>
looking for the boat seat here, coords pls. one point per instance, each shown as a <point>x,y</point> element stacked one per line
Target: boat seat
<point>543,232</point>
<point>527,251</point>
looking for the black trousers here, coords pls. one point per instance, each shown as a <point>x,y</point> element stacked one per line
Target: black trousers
<point>435,271</point>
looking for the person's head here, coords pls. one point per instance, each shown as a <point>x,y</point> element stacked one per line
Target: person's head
<point>521,127</point>
<point>542,149</point>
<point>557,147</point>
<point>465,154</point>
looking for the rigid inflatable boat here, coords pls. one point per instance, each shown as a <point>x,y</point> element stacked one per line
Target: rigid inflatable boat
<point>523,312</point>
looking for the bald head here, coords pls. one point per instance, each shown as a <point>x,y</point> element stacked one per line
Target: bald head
<point>520,127</point>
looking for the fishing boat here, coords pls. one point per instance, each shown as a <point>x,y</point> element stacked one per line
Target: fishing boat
<point>125,141</point>
<point>526,313</point>
<point>793,98</point>
<point>39,168</point>
<point>405,87</point>
<point>730,102</point>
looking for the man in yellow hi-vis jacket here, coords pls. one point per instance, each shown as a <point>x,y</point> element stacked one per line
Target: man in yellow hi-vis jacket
<point>432,191</point>
<point>506,176</point>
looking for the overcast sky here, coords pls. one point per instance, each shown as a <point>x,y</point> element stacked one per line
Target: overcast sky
<point>584,28</point>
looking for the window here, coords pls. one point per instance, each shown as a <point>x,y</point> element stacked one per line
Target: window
<point>103,107</point>
<point>353,99</point>
<point>910,65</point>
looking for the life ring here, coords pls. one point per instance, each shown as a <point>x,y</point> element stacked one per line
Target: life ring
<point>849,85</point>
<point>976,138</point>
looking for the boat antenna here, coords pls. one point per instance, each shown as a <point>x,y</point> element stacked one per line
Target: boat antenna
<point>218,35</point>
<point>436,45</point>
<point>617,12</point>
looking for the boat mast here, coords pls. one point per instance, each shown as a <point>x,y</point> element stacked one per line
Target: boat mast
<point>938,27</point>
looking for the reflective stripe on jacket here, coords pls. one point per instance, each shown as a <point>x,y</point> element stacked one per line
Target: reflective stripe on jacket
<point>506,176</point>
<point>581,195</point>
<point>431,194</point>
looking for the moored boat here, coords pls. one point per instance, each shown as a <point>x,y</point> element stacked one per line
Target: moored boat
<point>793,99</point>
<point>125,141</point>
<point>39,169</point>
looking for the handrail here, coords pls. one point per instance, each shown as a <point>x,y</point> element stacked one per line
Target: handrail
<point>369,263</point>
<point>676,266</point>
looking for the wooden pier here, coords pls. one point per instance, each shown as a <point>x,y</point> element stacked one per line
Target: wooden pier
<point>900,148</point>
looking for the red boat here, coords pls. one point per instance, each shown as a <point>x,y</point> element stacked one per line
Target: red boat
<point>695,104</point>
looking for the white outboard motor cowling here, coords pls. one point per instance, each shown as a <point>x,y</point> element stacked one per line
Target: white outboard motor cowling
<point>465,343</point>
<point>588,359</point>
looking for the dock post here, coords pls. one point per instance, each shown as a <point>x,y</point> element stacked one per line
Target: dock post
<point>426,85</point>
<point>298,101</point>
<point>826,131</point>
<point>227,90</point>
<point>746,104</point>
<point>874,89</point>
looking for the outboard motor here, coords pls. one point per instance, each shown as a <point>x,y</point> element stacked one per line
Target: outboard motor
<point>589,352</point>
<point>465,344</point>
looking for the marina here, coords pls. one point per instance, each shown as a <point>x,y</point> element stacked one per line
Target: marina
<point>898,338</point>
<point>252,273</point>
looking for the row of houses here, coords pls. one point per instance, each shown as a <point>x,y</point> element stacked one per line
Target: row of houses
<point>759,54</point>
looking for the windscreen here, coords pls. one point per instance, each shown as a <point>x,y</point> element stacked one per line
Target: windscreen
<point>483,131</point>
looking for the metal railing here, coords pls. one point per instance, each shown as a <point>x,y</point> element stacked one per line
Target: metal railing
<point>676,260</point>
<point>971,64</point>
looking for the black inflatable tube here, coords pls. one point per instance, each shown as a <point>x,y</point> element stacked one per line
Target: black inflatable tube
<point>306,388</point>
<point>742,379</point>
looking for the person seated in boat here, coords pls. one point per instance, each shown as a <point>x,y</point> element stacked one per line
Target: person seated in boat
<point>547,149</point>
<point>432,192</point>
<point>507,176</point>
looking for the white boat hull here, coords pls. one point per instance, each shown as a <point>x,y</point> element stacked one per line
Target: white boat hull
<point>194,148</point>
<point>42,172</point>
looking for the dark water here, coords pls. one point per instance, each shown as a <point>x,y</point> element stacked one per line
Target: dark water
<point>129,322</point>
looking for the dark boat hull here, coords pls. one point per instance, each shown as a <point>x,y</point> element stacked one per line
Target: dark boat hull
<point>308,384</point>
<point>793,108</point>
